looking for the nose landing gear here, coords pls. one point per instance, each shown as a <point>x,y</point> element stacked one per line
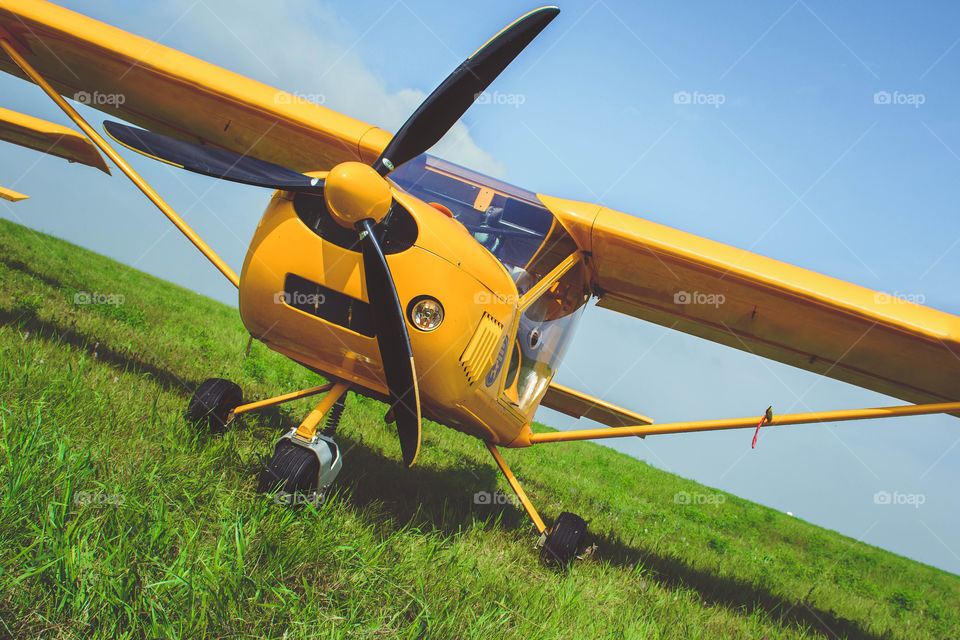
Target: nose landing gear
<point>301,472</point>
<point>305,462</point>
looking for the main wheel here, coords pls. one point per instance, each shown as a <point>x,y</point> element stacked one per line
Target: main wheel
<point>563,539</point>
<point>213,401</point>
<point>294,470</point>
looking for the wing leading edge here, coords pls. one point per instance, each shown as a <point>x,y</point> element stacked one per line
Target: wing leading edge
<point>169,92</point>
<point>766,307</point>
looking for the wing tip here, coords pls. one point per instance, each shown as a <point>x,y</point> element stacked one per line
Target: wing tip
<point>11,195</point>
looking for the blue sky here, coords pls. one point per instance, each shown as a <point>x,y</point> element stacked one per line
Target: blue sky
<point>788,153</point>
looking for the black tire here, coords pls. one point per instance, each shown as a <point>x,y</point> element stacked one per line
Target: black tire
<point>563,539</point>
<point>213,401</point>
<point>293,470</point>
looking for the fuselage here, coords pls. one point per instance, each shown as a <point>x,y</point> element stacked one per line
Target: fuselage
<point>476,249</point>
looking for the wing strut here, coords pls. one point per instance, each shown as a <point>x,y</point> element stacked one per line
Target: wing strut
<point>742,423</point>
<point>141,184</point>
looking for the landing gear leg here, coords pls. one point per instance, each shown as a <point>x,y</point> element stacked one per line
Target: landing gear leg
<point>561,541</point>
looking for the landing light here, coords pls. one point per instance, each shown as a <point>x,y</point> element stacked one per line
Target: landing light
<point>426,314</point>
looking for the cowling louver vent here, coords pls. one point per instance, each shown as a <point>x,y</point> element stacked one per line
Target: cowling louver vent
<point>478,356</point>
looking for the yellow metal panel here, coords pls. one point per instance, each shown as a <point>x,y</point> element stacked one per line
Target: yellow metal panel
<point>170,92</point>
<point>767,307</point>
<point>449,239</point>
<point>283,245</point>
<point>48,137</point>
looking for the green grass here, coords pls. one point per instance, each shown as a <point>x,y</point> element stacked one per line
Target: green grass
<point>120,520</point>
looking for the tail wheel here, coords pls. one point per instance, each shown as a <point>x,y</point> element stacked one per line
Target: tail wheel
<point>563,539</point>
<point>213,401</point>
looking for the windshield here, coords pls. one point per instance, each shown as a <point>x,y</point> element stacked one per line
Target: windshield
<point>509,222</point>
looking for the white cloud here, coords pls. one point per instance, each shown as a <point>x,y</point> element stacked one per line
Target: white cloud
<point>304,48</point>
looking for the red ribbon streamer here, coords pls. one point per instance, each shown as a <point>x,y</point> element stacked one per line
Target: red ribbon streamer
<point>766,419</point>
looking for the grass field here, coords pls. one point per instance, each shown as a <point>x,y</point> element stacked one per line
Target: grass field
<point>121,520</point>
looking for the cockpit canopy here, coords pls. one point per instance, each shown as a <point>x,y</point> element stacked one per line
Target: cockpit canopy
<point>509,222</point>
<point>529,242</point>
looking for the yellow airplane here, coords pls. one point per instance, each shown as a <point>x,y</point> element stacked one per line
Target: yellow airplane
<point>443,292</point>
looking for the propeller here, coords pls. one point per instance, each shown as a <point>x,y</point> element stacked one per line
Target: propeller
<point>442,108</point>
<point>358,196</point>
<point>210,161</point>
<point>394,342</point>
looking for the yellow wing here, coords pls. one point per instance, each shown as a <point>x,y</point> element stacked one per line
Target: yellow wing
<point>765,306</point>
<point>169,92</point>
<point>48,137</point>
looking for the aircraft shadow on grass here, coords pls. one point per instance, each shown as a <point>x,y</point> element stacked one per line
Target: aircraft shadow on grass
<point>444,500</point>
<point>27,320</point>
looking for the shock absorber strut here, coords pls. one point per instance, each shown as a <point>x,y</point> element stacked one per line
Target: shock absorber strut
<point>334,415</point>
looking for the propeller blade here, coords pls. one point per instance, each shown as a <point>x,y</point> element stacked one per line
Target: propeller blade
<point>394,343</point>
<point>442,108</point>
<point>210,161</point>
